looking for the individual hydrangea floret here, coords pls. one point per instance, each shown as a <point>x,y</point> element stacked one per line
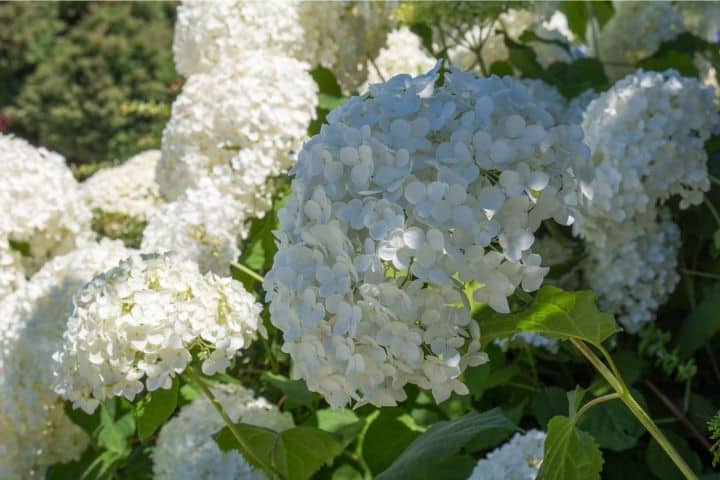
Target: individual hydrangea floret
<point>340,36</point>
<point>34,429</point>
<point>129,189</point>
<point>647,134</point>
<point>239,125</point>
<point>403,53</point>
<point>634,278</point>
<point>635,31</point>
<point>203,225</point>
<point>42,208</point>
<point>186,450</point>
<point>134,326</point>
<point>408,193</point>
<point>518,459</point>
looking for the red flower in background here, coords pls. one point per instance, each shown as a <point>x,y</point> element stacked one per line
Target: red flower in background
<point>4,123</point>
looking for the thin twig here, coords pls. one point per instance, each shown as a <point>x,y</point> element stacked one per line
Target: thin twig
<point>713,210</point>
<point>696,273</point>
<point>247,271</point>
<point>680,415</point>
<point>594,402</point>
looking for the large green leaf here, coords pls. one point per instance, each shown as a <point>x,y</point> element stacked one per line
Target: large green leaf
<point>556,313</point>
<point>701,325</point>
<point>441,441</point>
<point>342,422</point>
<point>296,391</point>
<point>571,79</point>
<point>570,453</point>
<point>154,409</point>
<point>612,424</point>
<point>580,13</point>
<point>662,466</point>
<point>296,453</point>
<point>388,434</point>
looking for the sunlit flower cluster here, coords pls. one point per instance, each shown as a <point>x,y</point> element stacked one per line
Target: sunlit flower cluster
<point>129,189</point>
<point>518,459</point>
<point>647,135</point>
<point>403,53</point>
<point>34,429</point>
<point>41,207</point>
<point>340,36</point>
<point>633,279</point>
<point>185,448</point>
<point>202,225</point>
<point>238,125</point>
<point>409,191</point>
<point>133,328</point>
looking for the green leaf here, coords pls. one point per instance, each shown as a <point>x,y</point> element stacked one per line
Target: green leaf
<point>523,58</point>
<point>387,435</point>
<point>295,390</point>
<point>501,68</point>
<point>326,81</point>
<point>296,453</point>
<point>21,247</point>
<point>574,400</point>
<point>441,441</point>
<point>550,402</point>
<point>343,423</point>
<point>570,453</point>
<point>425,33</point>
<point>612,424</point>
<point>571,79</point>
<point>680,61</point>
<point>330,102</point>
<point>556,313</point>
<point>662,466</point>
<point>111,434</point>
<point>154,409</point>
<point>701,325</point>
<point>578,15</point>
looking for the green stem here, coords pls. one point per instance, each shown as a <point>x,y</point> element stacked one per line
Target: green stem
<point>592,403</point>
<point>248,272</point>
<point>635,408</point>
<point>713,210</point>
<point>193,377</point>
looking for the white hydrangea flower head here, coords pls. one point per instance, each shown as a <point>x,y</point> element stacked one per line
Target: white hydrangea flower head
<point>403,53</point>
<point>133,327</point>
<point>633,279</point>
<point>441,184</point>
<point>208,33</point>
<point>186,450</point>
<point>518,459</point>
<point>35,431</point>
<point>700,18</point>
<point>238,125</point>
<point>41,202</point>
<point>635,31</point>
<point>129,188</point>
<point>203,225</point>
<point>647,134</point>
<point>12,271</point>
<point>340,36</point>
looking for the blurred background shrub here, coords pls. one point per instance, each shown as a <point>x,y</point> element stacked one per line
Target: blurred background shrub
<point>73,74</point>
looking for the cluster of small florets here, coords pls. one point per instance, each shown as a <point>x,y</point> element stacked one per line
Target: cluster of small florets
<point>239,125</point>
<point>647,135</point>
<point>635,31</point>
<point>12,272</point>
<point>409,191</point>
<point>34,429</point>
<point>403,53</point>
<point>133,328</point>
<point>518,459</point>
<point>339,36</point>
<point>41,204</point>
<point>633,279</point>
<point>185,447</point>
<point>203,225</point>
<point>129,189</point>
<point>700,18</point>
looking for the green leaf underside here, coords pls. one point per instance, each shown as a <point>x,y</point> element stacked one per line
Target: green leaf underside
<point>442,440</point>
<point>296,453</point>
<point>555,313</point>
<point>570,453</point>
